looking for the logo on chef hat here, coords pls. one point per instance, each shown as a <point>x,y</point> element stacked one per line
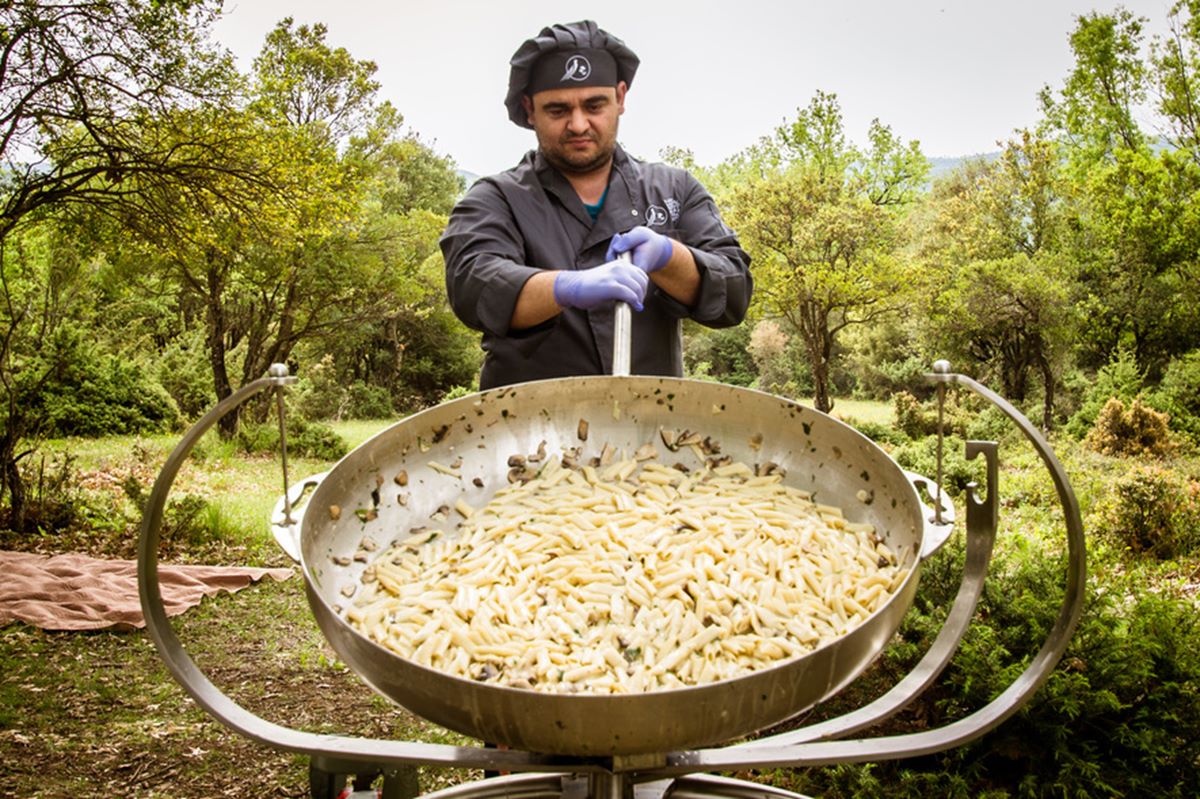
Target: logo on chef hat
<point>656,216</point>
<point>577,68</point>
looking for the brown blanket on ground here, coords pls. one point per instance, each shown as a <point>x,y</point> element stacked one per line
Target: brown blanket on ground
<point>75,592</point>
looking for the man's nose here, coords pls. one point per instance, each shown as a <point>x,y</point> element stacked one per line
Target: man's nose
<point>577,122</point>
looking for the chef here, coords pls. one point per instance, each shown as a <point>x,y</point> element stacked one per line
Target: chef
<point>531,253</point>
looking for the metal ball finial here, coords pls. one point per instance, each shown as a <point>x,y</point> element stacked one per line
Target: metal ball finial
<point>281,370</point>
<point>941,367</point>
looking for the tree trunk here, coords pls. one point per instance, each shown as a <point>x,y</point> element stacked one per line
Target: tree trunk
<point>1047,391</point>
<point>821,400</point>
<point>12,479</point>
<point>818,342</point>
<point>217,329</point>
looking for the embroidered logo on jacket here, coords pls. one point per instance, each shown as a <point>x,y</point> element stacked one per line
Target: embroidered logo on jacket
<point>672,208</point>
<point>578,68</point>
<point>656,216</point>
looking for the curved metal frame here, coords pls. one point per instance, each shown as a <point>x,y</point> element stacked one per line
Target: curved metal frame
<point>808,746</point>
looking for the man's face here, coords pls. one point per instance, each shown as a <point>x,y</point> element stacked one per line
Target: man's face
<point>577,127</point>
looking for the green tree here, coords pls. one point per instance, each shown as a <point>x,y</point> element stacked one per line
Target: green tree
<point>821,218</point>
<point>1012,315</point>
<point>1096,108</point>
<point>78,82</point>
<point>1136,231</point>
<point>992,235</point>
<point>328,248</point>
<point>102,105</point>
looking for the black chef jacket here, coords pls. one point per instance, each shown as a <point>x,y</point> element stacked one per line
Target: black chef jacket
<point>510,226</point>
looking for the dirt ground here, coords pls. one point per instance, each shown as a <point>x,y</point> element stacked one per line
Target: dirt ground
<point>97,714</point>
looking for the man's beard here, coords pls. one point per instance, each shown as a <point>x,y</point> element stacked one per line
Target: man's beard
<point>581,165</point>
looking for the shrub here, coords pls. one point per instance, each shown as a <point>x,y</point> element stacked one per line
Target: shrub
<point>105,395</point>
<point>182,368</point>
<point>54,500</point>
<point>305,439</point>
<point>364,401</point>
<point>769,348</point>
<point>458,391</point>
<point>1119,378</point>
<point>1130,431</point>
<point>724,350</point>
<point>1179,394</point>
<point>1119,716</point>
<point>322,394</point>
<point>318,441</point>
<point>1152,510</point>
<point>877,432</point>
<point>915,418</point>
<point>920,456</point>
<point>319,393</point>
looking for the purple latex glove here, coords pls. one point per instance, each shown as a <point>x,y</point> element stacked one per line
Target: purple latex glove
<point>649,250</point>
<point>587,288</point>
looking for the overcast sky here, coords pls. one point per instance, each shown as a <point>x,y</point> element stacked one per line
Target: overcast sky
<point>715,76</point>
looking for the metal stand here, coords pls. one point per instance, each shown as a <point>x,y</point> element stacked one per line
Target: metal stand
<point>671,774</point>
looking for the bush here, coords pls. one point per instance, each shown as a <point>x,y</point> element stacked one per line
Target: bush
<point>1135,430</point>
<point>459,391</point>
<point>916,419</point>
<point>1119,716</point>
<point>1152,510</point>
<point>368,402</point>
<point>1120,378</point>
<point>877,432</point>
<point>321,394</point>
<point>920,456</point>
<point>106,395</point>
<point>182,368</point>
<point>305,439</point>
<point>1179,394</point>
<point>721,354</point>
<point>769,348</point>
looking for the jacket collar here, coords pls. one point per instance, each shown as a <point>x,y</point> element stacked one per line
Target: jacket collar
<point>620,213</point>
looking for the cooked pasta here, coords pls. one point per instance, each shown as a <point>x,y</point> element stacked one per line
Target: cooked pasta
<point>631,576</point>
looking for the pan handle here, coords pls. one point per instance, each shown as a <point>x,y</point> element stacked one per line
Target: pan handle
<point>287,519</point>
<point>622,334</point>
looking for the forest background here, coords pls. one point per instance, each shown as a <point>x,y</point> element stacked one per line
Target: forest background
<point>171,226</point>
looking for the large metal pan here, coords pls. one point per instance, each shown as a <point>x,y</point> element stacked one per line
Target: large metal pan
<point>819,454</point>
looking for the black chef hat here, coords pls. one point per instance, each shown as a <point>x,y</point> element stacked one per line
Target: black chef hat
<point>575,54</point>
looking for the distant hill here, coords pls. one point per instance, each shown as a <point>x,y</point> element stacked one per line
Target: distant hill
<point>943,166</point>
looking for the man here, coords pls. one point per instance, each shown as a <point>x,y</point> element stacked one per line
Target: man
<point>531,253</point>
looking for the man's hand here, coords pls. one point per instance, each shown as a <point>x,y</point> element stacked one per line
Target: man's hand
<point>587,288</point>
<point>649,250</point>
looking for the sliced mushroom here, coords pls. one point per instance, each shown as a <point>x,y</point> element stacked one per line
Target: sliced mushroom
<point>645,452</point>
<point>607,453</point>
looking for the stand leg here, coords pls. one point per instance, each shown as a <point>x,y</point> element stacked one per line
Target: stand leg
<point>327,778</point>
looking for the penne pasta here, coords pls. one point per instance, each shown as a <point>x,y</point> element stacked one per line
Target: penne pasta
<point>631,576</point>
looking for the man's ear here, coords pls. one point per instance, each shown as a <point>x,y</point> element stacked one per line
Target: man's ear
<point>622,87</point>
<point>527,104</point>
